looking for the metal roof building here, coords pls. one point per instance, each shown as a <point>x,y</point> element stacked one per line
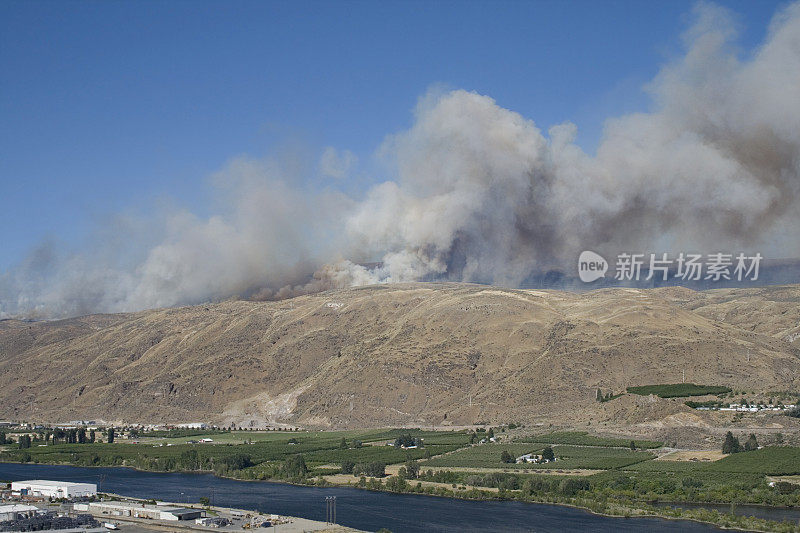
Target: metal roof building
<point>53,489</point>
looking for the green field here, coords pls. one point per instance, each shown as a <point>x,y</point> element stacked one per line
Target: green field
<point>771,460</point>
<point>582,438</point>
<point>266,453</point>
<point>678,390</point>
<point>485,456</point>
<point>568,457</point>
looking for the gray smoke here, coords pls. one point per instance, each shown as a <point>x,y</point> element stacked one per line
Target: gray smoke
<point>480,193</point>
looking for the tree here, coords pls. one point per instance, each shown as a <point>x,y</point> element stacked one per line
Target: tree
<point>633,445</point>
<point>294,467</point>
<point>751,444</point>
<point>82,436</point>
<point>598,395</point>
<point>347,467</point>
<point>189,460</point>
<point>547,454</point>
<point>506,457</point>
<point>357,443</point>
<point>412,469</point>
<point>92,436</point>
<point>491,433</point>
<point>343,444</point>
<point>2,438</point>
<point>110,435</point>
<point>205,501</point>
<point>237,461</point>
<point>374,469</point>
<point>731,444</point>
<point>406,441</point>
<point>24,442</point>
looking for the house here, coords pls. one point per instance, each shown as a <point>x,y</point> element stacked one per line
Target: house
<point>532,458</point>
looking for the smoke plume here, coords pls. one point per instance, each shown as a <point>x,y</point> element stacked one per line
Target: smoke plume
<point>480,193</point>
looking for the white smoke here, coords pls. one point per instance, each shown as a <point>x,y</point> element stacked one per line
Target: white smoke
<point>480,193</point>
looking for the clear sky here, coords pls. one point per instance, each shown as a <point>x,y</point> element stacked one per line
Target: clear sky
<point>108,106</point>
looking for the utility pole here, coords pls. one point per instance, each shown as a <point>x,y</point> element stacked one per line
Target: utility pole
<point>330,510</point>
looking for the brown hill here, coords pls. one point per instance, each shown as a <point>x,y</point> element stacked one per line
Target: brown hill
<point>410,354</point>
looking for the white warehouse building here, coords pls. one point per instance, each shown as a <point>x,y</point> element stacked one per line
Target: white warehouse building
<point>17,511</point>
<point>53,489</point>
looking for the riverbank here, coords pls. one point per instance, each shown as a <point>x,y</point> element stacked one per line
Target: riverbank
<point>608,509</point>
<point>368,510</point>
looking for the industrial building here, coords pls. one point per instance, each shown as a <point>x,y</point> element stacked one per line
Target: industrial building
<point>140,510</point>
<point>17,512</point>
<point>53,489</point>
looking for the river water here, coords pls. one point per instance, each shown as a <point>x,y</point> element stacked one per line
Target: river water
<point>360,509</point>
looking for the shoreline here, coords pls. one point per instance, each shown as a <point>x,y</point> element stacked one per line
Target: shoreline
<point>627,512</point>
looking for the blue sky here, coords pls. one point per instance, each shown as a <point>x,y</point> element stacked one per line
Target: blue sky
<point>114,106</point>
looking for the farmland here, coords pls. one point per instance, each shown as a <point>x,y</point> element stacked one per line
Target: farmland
<point>246,449</point>
<point>771,460</point>
<point>582,438</point>
<point>600,473</point>
<point>678,390</point>
<point>568,457</point>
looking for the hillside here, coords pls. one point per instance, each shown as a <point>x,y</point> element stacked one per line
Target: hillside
<point>410,354</point>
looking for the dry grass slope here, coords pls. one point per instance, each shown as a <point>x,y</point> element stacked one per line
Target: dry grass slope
<point>411,354</point>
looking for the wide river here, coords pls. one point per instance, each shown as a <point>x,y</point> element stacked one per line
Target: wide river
<point>360,509</point>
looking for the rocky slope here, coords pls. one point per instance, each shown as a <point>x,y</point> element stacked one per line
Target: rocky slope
<point>413,354</point>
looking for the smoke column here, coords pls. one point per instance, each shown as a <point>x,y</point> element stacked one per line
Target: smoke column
<point>480,193</point>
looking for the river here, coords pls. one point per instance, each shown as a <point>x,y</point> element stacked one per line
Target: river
<point>360,509</point>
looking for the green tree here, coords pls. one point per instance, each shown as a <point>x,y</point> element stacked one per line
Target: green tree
<point>406,440</point>
<point>374,469</point>
<point>598,395</point>
<point>731,444</point>
<point>633,445</point>
<point>205,501</point>
<point>82,436</point>
<point>343,444</point>
<point>294,467</point>
<point>189,460</point>
<point>92,436</point>
<point>412,469</point>
<point>347,467</point>
<point>548,454</point>
<point>751,443</point>
<point>506,457</point>
<point>2,438</point>
<point>240,461</point>
<point>110,435</point>
<point>491,433</point>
